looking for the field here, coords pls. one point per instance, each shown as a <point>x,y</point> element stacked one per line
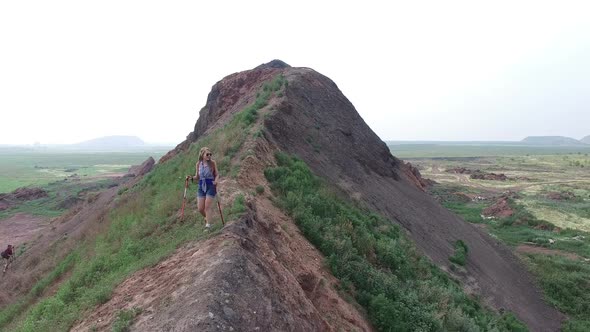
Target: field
<point>29,167</point>
<point>546,216</point>
<point>66,176</point>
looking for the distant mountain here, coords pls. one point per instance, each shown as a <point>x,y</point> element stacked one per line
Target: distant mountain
<point>551,140</point>
<point>112,142</point>
<point>586,139</point>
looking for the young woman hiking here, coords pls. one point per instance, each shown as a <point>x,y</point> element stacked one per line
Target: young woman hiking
<point>207,175</point>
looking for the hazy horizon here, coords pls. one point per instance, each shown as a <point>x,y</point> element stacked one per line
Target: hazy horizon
<point>171,144</point>
<point>462,71</point>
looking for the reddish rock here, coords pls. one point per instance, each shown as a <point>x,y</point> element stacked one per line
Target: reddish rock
<point>20,195</point>
<point>488,176</point>
<point>27,194</point>
<point>459,170</point>
<point>142,169</point>
<point>501,209</point>
<point>414,175</point>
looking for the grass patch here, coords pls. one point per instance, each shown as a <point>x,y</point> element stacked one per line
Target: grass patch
<point>20,167</point>
<point>12,311</point>
<point>250,114</point>
<point>375,263</point>
<point>125,319</point>
<point>460,255</point>
<point>57,193</point>
<point>471,212</point>
<point>566,286</point>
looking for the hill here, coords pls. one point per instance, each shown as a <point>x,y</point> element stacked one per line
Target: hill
<point>314,121</point>
<point>551,140</point>
<point>111,142</point>
<point>325,230</point>
<point>586,139</point>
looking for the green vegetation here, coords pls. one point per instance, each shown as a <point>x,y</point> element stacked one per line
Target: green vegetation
<point>9,313</point>
<point>551,210</point>
<point>20,168</point>
<point>250,114</point>
<point>57,193</point>
<point>564,280</point>
<point>142,231</point>
<point>125,319</point>
<point>375,263</point>
<point>259,190</point>
<point>560,292</point>
<point>235,132</point>
<point>460,255</point>
<point>139,236</point>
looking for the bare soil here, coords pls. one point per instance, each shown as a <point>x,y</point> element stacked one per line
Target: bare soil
<point>57,236</point>
<point>258,274</point>
<point>21,228</point>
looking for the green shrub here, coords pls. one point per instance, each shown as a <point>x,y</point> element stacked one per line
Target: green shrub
<point>259,189</point>
<point>460,255</point>
<point>125,319</point>
<point>379,267</point>
<point>239,205</point>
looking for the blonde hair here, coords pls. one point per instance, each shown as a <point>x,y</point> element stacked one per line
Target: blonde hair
<point>202,153</point>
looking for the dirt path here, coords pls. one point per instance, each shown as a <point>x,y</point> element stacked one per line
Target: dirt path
<point>528,249</point>
<point>21,228</point>
<point>258,274</point>
<point>528,185</point>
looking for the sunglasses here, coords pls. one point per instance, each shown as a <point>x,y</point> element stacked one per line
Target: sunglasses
<point>209,154</point>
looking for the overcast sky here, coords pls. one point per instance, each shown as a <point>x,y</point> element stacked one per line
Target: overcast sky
<point>441,70</point>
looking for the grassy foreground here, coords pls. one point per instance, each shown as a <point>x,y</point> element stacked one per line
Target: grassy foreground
<point>400,290</point>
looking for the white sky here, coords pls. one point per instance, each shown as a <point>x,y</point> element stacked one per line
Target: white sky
<point>441,70</point>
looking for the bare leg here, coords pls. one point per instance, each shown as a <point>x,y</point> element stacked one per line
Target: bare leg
<point>208,211</point>
<point>201,205</point>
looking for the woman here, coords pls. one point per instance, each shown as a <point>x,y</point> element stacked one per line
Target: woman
<point>207,175</point>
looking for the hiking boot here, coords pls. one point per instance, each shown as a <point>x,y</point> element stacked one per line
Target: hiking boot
<point>207,226</point>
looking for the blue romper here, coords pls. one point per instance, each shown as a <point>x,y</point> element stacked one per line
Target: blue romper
<point>206,186</point>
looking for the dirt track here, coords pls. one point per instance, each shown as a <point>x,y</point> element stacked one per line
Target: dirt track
<point>21,228</point>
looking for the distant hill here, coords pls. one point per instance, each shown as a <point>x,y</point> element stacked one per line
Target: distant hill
<point>551,140</point>
<point>112,142</point>
<point>586,139</point>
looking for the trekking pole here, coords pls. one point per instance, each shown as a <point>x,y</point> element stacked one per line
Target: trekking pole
<point>184,199</point>
<point>219,207</point>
